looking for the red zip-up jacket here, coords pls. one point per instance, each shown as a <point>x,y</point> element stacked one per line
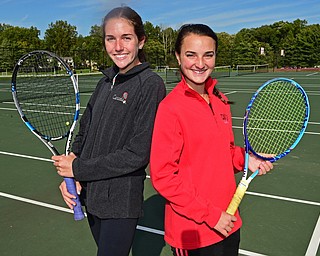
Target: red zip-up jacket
<point>193,162</point>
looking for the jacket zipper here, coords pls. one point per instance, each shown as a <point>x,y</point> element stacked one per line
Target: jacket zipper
<point>113,81</point>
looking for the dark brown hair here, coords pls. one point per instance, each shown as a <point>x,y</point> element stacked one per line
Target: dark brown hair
<point>202,30</point>
<point>134,18</point>
<point>197,29</point>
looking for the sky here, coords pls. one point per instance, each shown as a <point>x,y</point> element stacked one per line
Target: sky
<point>228,16</point>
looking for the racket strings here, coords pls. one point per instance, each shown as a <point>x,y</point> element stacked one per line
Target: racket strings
<point>283,109</point>
<point>46,95</point>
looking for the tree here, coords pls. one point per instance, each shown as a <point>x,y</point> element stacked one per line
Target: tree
<point>308,45</point>
<point>151,31</point>
<point>154,47</point>
<point>168,36</point>
<point>300,42</point>
<point>225,49</point>
<point>246,48</point>
<point>15,42</point>
<point>154,52</point>
<point>61,38</point>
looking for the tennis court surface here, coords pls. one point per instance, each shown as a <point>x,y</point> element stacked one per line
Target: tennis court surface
<point>281,211</point>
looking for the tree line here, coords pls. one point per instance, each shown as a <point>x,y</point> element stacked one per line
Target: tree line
<point>281,44</point>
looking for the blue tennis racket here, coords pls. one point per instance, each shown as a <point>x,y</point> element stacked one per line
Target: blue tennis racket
<point>46,96</point>
<point>274,123</point>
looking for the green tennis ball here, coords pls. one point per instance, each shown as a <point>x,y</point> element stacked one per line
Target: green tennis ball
<point>67,123</point>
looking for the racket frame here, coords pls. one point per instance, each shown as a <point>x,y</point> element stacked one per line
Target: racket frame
<point>46,140</point>
<point>244,182</point>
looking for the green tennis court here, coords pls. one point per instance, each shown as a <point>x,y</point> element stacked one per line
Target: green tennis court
<point>281,211</point>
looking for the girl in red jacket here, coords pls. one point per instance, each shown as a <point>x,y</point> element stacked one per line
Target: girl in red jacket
<point>193,156</point>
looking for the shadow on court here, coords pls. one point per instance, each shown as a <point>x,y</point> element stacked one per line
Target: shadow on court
<point>149,243</point>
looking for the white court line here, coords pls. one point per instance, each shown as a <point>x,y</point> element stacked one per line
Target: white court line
<point>12,103</point>
<point>25,156</point>
<point>315,241</point>
<point>310,122</point>
<point>151,230</point>
<point>278,197</point>
<point>63,209</point>
<point>312,74</point>
<point>14,109</point>
<point>11,109</point>
<point>30,201</point>
<point>314,123</point>
<point>247,253</point>
<point>311,251</point>
<point>148,177</point>
<point>236,127</point>
<point>311,133</point>
<point>283,198</point>
<point>227,93</point>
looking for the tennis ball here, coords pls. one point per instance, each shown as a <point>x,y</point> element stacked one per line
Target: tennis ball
<point>67,123</point>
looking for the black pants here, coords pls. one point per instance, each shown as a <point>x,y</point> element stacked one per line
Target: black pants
<point>114,237</point>
<point>227,247</point>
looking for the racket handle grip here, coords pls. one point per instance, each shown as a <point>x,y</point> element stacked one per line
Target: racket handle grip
<point>237,197</point>
<point>77,210</point>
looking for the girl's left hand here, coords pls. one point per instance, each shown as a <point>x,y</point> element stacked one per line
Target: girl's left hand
<point>63,164</point>
<point>256,163</point>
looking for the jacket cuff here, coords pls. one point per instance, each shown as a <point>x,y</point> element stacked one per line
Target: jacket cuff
<point>238,158</point>
<point>75,168</point>
<point>213,217</point>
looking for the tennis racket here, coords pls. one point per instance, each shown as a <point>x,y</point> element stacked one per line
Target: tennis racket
<point>46,96</point>
<point>274,123</point>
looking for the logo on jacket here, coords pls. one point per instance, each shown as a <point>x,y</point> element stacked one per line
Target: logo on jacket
<point>224,118</point>
<point>123,98</point>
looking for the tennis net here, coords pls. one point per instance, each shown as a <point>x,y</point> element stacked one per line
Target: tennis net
<point>173,75</point>
<point>221,71</point>
<point>251,69</point>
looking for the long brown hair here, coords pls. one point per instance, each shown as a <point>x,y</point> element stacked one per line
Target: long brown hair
<point>134,18</point>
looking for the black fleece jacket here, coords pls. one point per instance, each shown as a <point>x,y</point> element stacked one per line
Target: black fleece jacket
<point>113,142</point>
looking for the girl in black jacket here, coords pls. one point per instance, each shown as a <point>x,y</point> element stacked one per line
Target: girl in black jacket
<point>111,150</point>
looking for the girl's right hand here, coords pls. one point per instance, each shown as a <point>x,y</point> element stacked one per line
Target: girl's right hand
<point>225,223</point>
<point>67,197</point>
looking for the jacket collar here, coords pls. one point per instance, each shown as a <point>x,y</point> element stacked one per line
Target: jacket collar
<point>209,85</point>
<point>110,73</point>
